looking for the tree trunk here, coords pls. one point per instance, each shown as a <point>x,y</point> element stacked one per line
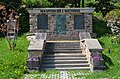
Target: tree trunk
<point>82,3</point>
<point>77,3</point>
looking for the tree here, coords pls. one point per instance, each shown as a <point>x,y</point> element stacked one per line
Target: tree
<point>113,19</point>
<point>11,3</point>
<point>24,20</point>
<point>103,6</point>
<point>36,3</point>
<point>63,3</point>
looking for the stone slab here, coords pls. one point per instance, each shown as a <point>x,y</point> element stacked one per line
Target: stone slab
<point>93,44</point>
<point>41,36</point>
<point>36,45</point>
<point>84,35</point>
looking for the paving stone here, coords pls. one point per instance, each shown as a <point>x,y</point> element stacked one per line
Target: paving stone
<point>61,75</point>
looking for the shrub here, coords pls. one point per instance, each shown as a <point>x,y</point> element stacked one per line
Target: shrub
<point>113,21</point>
<point>36,3</point>
<point>100,25</point>
<point>24,20</point>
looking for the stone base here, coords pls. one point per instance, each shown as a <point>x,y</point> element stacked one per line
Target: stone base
<point>33,63</point>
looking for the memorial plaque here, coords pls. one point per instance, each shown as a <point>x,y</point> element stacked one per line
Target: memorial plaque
<point>42,22</point>
<point>79,22</point>
<point>60,24</point>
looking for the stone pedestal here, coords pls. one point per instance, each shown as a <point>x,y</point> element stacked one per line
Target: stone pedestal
<point>35,53</point>
<point>33,63</point>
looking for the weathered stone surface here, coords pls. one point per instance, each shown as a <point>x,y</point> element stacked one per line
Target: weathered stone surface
<point>35,53</point>
<point>84,35</point>
<point>93,44</point>
<point>41,36</point>
<point>52,13</point>
<point>36,45</point>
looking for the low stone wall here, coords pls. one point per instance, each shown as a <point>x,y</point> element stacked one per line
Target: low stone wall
<point>93,51</point>
<point>36,50</point>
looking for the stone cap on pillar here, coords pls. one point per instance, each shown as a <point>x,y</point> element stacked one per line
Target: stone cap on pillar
<point>84,35</point>
<point>93,44</point>
<point>36,45</point>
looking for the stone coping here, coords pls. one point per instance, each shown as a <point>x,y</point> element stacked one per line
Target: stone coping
<point>84,35</point>
<point>93,44</point>
<point>36,45</point>
<point>41,36</point>
<point>61,10</point>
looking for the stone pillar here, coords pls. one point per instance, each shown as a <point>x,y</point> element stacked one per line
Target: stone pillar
<point>51,24</point>
<point>69,24</point>
<point>88,22</point>
<point>33,22</point>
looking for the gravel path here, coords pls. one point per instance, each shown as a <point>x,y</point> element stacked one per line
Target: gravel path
<point>60,75</point>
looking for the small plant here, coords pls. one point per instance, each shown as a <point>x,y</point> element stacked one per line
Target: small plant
<point>33,59</point>
<point>97,57</point>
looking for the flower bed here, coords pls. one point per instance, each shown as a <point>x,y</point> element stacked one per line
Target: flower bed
<point>97,60</point>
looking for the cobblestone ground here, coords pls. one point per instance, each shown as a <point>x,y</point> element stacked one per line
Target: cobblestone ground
<point>60,75</point>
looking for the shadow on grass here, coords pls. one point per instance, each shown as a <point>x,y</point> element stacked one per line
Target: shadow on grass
<point>108,61</point>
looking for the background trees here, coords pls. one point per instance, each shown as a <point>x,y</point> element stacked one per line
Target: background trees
<point>11,3</point>
<point>36,3</point>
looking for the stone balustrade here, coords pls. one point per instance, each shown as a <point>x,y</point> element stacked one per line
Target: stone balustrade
<point>93,51</point>
<point>36,50</point>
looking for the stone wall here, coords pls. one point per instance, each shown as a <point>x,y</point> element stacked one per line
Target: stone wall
<point>71,33</point>
<point>88,22</point>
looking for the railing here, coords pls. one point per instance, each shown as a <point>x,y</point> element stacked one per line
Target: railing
<point>36,50</point>
<point>94,57</point>
<point>88,55</point>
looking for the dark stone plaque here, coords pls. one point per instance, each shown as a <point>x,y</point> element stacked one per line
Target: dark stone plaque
<point>60,24</point>
<point>42,22</point>
<point>79,22</point>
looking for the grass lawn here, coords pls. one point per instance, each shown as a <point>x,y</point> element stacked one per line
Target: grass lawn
<point>13,62</point>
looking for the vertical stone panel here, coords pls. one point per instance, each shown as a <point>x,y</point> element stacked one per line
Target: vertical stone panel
<point>52,24</point>
<point>33,22</point>
<point>69,24</point>
<point>88,22</point>
<point>61,24</point>
<point>42,22</point>
<point>79,21</point>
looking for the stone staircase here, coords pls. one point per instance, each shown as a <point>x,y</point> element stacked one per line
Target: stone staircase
<point>64,56</point>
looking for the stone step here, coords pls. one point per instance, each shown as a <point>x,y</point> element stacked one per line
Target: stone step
<point>78,47</point>
<point>64,61</point>
<point>63,48</point>
<point>65,65</point>
<point>64,42</point>
<point>64,45</point>
<point>71,45</point>
<point>64,58</point>
<point>64,51</point>
<point>67,68</point>
<point>65,55</point>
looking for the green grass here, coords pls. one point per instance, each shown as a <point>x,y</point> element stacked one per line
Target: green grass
<point>13,62</point>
